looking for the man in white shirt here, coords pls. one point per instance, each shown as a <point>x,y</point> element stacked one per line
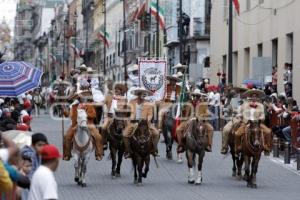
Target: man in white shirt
<point>43,184</point>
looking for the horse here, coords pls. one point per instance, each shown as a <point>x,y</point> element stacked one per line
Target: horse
<point>196,142</point>
<point>252,147</point>
<point>141,145</point>
<point>237,158</point>
<point>82,147</point>
<point>116,145</point>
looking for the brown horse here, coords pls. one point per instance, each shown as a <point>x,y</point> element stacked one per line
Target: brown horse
<point>196,142</point>
<point>252,142</point>
<point>141,145</point>
<point>116,145</point>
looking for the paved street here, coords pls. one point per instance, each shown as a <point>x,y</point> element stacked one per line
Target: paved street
<point>169,181</point>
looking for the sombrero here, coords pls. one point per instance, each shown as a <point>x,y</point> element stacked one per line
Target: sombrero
<point>173,77</point>
<point>132,68</point>
<point>179,66</point>
<point>90,70</point>
<point>240,89</point>
<point>197,92</point>
<point>82,94</point>
<point>142,90</point>
<point>249,93</point>
<point>74,71</point>
<point>121,87</point>
<point>82,68</point>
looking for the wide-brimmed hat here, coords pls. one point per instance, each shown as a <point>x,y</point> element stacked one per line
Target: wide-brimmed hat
<point>132,68</point>
<point>179,66</point>
<point>173,77</point>
<point>142,90</point>
<point>82,94</point>
<point>250,93</point>
<point>121,87</point>
<point>82,68</point>
<point>198,92</point>
<point>90,70</point>
<point>74,71</point>
<point>240,89</point>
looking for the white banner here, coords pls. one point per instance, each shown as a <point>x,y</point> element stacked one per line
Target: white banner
<point>152,77</point>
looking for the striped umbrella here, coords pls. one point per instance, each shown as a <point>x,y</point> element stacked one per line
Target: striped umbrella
<point>18,77</point>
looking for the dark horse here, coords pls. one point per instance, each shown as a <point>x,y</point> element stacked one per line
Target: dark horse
<point>168,123</point>
<point>252,142</point>
<point>116,145</point>
<point>237,158</point>
<point>141,145</point>
<point>196,142</point>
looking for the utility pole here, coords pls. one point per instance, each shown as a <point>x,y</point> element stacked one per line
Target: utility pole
<point>180,33</point>
<point>157,29</point>
<point>104,50</point>
<point>125,42</point>
<point>230,43</point>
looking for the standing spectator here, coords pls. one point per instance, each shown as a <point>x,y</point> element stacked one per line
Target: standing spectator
<point>274,79</point>
<point>25,170</point>
<point>217,104</point>
<point>26,109</point>
<point>43,184</point>
<point>37,142</point>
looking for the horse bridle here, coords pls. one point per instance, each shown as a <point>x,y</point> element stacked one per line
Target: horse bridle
<point>253,150</point>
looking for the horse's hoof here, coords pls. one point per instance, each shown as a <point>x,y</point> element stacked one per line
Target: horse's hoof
<point>180,161</point>
<point>118,175</point>
<point>253,186</point>
<point>79,183</point>
<point>144,175</point>
<point>83,185</point>
<point>239,178</point>
<point>191,182</point>
<point>233,173</point>
<point>76,179</point>
<point>169,155</point>
<point>198,183</point>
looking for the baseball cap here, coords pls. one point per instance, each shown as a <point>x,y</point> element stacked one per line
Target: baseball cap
<point>27,104</point>
<point>27,118</point>
<point>49,152</point>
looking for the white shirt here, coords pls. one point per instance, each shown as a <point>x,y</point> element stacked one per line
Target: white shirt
<point>43,185</point>
<point>4,155</point>
<point>139,108</point>
<point>217,99</point>
<point>211,99</point>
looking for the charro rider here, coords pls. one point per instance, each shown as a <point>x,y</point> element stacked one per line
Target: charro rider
<point>82,99</point>
<point>253,110</point>
<point>171,96</point>
<point>140,109</point>
<point>233,102</point>
<point>202,113</point>
<point>112,102</point>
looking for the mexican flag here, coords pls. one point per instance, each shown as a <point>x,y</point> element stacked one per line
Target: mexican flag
<point>161,13</point>
<point>237,6</point>
<point>104,37</point>
<point>179,108</point>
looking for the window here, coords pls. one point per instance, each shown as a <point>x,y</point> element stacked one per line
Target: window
<point>261,1</point>
<point>260,50</point>
<point>248,5</point>
<point>289,46</point>
<point>275,52</point>
<point>246,63</point>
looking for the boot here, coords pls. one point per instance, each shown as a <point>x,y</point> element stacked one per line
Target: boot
<point>224,149</point>
<point>128,150</point>
<point>67,150</point>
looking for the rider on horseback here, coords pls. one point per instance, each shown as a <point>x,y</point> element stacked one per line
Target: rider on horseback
<point>91,115</point>
<point>253,111</point>
<point>201,112</point>
<point>112,103</point>
<point>140,109</point>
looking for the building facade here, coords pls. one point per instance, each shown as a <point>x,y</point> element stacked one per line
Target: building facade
<point>265,34</point>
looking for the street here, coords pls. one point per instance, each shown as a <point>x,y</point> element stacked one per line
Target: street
<point>169,181</point>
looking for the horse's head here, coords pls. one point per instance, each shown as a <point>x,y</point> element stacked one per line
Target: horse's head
<point>198,131</point>
<point>142,135</point>
<point>81,117</point>
<point>255,134</point>
<point>118,126</point>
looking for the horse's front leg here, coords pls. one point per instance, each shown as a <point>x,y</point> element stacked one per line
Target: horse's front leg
<point>140,166</point>
<point>233,156</point>
<point>113,160</point>
<point>239,162</point>
<point>190,163</point>
<point>147,164</point>
<point>254,168</point>
<point>247,169</point>
<point>200,162</point>
<point>120,157</point>
<point>134,162</point>
<point>84,163</point>
<point>76,166</point>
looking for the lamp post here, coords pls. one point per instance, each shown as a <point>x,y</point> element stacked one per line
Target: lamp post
<point>104,46</point>
<point>125,42</point>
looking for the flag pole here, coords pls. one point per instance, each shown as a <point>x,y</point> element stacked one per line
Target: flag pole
<point>157,29</point>
<point>230,33</point>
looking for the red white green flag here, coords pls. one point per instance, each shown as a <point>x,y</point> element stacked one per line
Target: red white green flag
<point>237,6</point>
<point>104,37</point>
<point>160,12</point>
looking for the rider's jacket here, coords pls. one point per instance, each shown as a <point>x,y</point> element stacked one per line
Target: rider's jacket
<point>252,111</point>
<point>172,93</point>
<point>146,110</point>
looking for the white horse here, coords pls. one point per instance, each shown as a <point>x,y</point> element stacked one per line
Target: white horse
<point>82,147</point>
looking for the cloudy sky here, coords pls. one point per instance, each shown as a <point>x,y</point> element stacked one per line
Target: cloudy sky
<point>8,11</point>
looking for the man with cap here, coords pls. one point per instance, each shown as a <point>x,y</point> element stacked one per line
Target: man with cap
<point>38,141</point>
<point>43,184</point>
<point>91,115</point>
<point>140,109</point>
<point>112,102</point>
<point>253,110</point>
